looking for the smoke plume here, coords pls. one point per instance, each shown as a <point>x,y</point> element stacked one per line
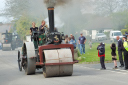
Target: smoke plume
<point>53,3</point>
<point>58,23</point>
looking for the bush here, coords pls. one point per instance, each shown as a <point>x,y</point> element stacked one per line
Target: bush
<point>123,31</point>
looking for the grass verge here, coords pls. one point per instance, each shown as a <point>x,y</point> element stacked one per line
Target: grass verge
<point>91,55</point>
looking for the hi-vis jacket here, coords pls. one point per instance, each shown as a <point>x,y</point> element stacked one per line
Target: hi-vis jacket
<point>125,44</point>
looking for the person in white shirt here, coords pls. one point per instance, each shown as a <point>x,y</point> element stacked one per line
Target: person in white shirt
<point>0,45</point>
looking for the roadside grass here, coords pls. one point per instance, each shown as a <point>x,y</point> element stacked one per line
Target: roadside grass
<point>91,55</point>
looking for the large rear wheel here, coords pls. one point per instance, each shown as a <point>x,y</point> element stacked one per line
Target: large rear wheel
<point>19,61</point>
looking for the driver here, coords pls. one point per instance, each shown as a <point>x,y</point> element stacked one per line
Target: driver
<point>42,27</point>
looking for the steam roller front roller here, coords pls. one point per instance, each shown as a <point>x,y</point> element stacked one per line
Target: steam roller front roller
<point>29,52</point>
<point>6,47</point>
<point>56,56</point>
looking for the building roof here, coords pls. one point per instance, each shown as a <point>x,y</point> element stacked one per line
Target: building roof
<point>4,27</point>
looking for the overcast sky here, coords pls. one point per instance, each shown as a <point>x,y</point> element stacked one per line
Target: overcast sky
<point>2,5</point>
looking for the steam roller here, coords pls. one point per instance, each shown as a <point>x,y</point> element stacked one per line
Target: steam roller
<point>7,41</point>
<point>46,52</point>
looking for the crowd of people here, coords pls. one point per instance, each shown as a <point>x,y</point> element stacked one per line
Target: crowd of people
<point>81,42</point>
<point>122,49</point>
<point>70,40</point>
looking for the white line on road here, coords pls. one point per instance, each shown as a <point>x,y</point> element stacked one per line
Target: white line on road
<point>105,70</point>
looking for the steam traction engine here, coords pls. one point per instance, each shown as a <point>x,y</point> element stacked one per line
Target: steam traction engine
<point>8,43</point>
<point>46,52</point>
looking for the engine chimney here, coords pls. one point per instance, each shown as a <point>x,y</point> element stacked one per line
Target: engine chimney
<point>51,18</point>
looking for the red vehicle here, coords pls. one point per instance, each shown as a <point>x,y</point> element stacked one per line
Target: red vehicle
<point>54,58</point>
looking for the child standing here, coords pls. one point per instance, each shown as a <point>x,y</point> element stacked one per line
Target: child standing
<point>101,54</point>
<point>113,53</point>
<point>90,44</point>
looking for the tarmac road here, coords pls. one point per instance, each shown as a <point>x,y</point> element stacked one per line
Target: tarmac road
<point>84,74</point>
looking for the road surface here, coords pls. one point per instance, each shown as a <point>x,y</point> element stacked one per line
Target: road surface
<point>83,74</point>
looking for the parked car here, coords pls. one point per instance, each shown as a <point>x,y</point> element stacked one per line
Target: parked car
<point>100,37</point>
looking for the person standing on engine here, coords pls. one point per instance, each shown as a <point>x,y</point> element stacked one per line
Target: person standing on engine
<point>101,54</point>
<point>120,49</point>
<point>33,28</point>
<point>125,45</point>
<point>82,41</point>
<point>42,27</point>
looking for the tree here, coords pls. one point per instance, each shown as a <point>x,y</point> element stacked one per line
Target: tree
<point>22,26</point>
<point>120,19</point>
<point>124,4</point>
<point>15,8</point>
<point>106,7</point>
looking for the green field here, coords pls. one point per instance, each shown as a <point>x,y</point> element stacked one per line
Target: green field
<point>91,55</point>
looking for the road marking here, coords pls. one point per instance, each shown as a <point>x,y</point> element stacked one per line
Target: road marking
<point>110,70</point>
<point>118,69</point>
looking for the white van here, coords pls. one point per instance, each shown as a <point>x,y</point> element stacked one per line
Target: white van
<point>114,34</point>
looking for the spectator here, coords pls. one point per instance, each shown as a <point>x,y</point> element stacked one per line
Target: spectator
<point>126,34</point>
<point>0,46</point>
<point>125,45</point>
<point>74,42</point>
<point>71,35</point>
<point>90,44</point>
<point>82,41</point>
<point>101,54</point>
<point>70,41</point>
<point>113,53</point>
<point>120,48</point>
<point>66,39</point>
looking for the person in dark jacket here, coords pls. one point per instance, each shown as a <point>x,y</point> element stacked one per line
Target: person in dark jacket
<point>120,49</point>
<point>42,27</point>
<point>101,54</point>
<point>33,28</point>
<point>113,53</point>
